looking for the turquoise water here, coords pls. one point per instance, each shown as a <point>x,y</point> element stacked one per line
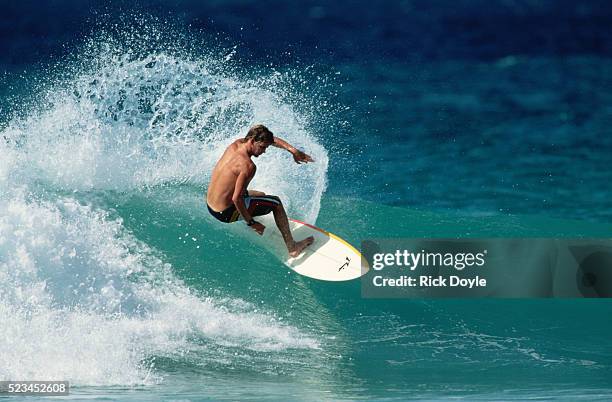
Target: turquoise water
<point>179,306</point>
<point>114,277</point>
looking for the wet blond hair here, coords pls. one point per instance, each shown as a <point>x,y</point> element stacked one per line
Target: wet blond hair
<point>260,133</point>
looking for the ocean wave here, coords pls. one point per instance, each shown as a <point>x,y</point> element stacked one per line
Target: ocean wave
<point>81,297</point>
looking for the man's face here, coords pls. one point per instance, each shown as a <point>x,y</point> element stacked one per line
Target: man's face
<point>259,148</point>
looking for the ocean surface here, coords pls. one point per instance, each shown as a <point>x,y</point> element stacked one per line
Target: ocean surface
<point>425,119</point>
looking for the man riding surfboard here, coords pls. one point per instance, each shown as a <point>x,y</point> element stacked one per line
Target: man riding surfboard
<point>228,199</point>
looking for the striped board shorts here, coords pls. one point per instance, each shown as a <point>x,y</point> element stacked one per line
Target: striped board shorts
<point>256,205</point>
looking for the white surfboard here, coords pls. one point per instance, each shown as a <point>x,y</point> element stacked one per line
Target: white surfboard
<point>329,258</point>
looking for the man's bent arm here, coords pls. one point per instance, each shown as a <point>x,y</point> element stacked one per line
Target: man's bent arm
<point>237,197</point>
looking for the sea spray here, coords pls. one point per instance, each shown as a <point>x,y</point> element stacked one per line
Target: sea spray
<point>82,298</point>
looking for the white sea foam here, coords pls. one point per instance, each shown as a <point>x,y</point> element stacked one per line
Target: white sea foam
<point>83,300</point>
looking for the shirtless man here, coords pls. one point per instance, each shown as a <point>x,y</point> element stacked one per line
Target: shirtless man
<point>228,199</point>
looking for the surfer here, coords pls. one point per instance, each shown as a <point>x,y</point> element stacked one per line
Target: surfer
<point>228,199</point>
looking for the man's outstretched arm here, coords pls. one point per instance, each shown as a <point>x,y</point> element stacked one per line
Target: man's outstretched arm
<point>298,156</point>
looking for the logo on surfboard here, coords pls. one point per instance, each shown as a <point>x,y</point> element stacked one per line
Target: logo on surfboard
<point>346,264</point>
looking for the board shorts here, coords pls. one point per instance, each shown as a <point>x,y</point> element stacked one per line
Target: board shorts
<point>256,205</point>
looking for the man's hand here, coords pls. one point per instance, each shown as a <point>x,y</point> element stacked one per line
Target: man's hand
<point>258,227</point>
<point>301,157</point>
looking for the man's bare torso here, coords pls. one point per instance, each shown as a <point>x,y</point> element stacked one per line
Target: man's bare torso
<point>225,175</point>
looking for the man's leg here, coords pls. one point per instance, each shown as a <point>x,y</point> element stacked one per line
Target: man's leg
<point>282,222</point>
<point>267,203</point>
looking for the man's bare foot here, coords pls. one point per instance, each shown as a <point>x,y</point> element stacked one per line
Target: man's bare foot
<point>299,246</point>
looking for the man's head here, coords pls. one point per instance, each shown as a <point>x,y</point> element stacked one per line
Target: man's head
<point>260,138</point>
